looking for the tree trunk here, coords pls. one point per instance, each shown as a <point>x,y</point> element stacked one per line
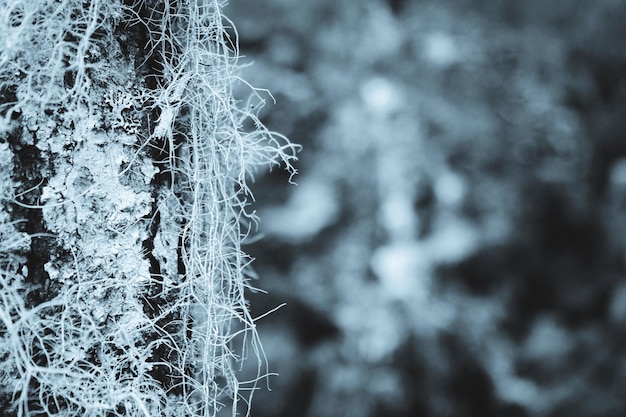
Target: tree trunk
<point>123,169</point>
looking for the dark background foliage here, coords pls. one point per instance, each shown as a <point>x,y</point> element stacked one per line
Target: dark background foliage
<point>455,246</point>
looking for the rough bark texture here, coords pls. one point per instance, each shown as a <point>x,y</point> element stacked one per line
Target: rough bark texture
<point>123,167</point>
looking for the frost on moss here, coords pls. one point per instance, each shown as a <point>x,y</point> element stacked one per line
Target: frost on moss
<point>125,202</point>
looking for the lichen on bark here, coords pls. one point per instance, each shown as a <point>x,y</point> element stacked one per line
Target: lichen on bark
<point>122,279</point>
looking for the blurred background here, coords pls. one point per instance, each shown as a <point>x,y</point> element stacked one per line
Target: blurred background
<point>455,244</point>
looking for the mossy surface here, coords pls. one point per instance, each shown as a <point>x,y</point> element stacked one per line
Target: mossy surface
<point>124,160</point>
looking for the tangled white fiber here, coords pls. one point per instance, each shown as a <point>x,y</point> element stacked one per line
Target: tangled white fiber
<point>124,169</point>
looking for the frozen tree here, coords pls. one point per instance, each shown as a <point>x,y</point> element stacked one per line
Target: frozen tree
<point>124,161</point>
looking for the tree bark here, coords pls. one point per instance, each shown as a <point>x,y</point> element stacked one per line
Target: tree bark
<point>123,175</point>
